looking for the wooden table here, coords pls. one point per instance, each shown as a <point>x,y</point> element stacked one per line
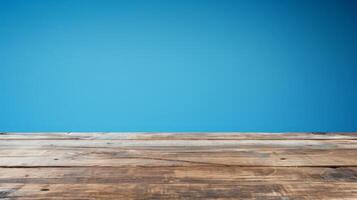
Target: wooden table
<point>265,166</point>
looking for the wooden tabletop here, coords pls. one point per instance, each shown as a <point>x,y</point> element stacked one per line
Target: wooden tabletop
<point>264,166</point>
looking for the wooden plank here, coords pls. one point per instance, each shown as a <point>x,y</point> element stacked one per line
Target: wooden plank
<point>179,144</point>
<point>175,175</point>
<point>178,136</point>
<point>95,157</point>
<point>178,152</point>
<point>208,182</point>
<point>256,191</point>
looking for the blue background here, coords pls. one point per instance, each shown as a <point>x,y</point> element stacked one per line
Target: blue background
<point>188,65</point>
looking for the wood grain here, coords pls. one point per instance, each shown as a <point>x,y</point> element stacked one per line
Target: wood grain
<point>178,166</point>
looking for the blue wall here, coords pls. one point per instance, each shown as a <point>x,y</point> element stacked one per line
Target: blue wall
<point>180,65</point>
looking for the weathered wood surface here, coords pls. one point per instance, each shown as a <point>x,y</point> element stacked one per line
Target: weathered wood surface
<point>286,166</point>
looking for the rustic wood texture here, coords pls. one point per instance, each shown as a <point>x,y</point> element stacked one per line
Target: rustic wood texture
<point>272,166</point>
